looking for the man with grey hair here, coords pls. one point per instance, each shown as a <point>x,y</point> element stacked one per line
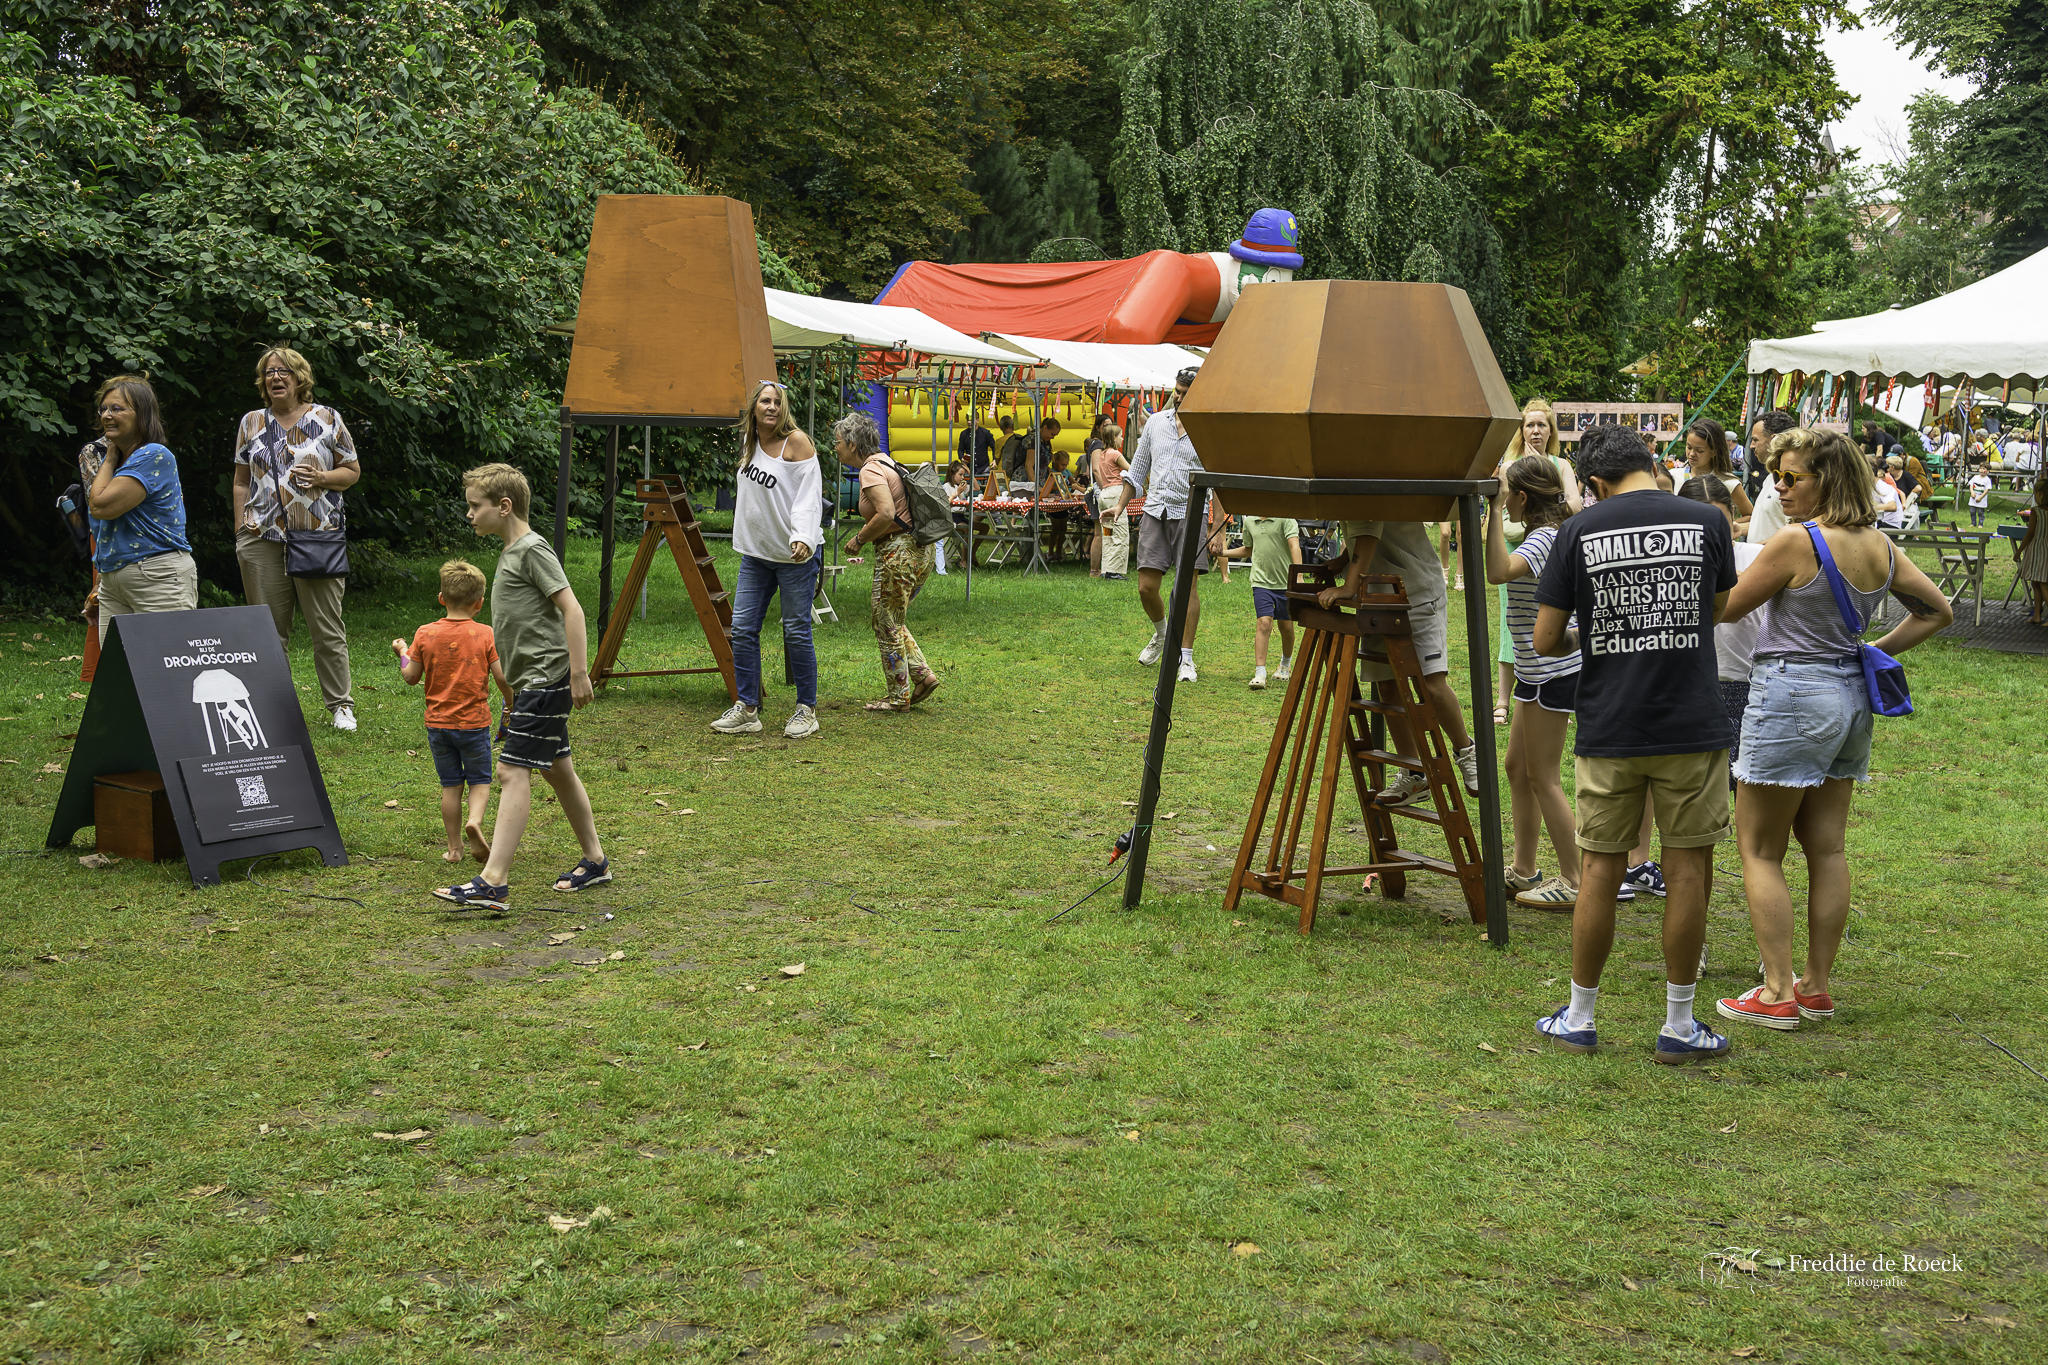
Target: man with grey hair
<point>1165,459</point>
<point>901,564</point>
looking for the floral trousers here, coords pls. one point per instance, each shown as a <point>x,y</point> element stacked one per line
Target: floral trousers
<point>901,568</point>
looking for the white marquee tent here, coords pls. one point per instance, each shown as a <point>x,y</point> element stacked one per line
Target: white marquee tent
<point>1990,329</point>
<point>1109,365</point>
<point>799,322</point>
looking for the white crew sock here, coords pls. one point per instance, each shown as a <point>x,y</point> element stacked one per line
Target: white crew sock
<point>1580,1014</point>
<point>1187,656</point>
<point>1260,672</point>
<point>1678,1009</point>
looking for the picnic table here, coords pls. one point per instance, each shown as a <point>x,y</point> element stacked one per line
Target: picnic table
<point>1961,555</point>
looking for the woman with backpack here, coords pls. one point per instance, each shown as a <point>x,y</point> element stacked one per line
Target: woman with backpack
<point>901,564</point>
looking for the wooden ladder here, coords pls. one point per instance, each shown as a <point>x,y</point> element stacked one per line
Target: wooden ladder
<point>1325,716</point>
<point>665,507</point>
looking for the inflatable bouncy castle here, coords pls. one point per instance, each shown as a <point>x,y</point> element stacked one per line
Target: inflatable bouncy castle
<point>1159,296</point>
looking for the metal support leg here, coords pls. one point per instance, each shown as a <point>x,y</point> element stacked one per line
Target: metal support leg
<point>1193,534</point>
<point>562,487</point>
<point>608,520</point>
<point>1479,652</point>
<point>646,472</point>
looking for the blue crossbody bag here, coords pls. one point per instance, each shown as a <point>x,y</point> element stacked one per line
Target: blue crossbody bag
<point>1884,677</point>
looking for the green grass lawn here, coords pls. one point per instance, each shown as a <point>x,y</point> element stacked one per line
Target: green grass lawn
<point>247,1122</point>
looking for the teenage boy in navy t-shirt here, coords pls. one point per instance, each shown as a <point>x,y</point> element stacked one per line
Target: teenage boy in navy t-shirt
<point>1645,573</point>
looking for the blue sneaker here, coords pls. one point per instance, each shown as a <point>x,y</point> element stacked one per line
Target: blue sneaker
<point>1703,1045</point>
<point>1645,879</point>
<point>1571,1040</point>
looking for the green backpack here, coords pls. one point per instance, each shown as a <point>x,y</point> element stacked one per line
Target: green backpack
<point>930,515</point>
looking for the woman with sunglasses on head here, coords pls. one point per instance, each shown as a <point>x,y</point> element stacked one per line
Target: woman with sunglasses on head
<point>136,507</point>
<point>776,531</point>
<point>1806,728</point>
<point>293,460</point>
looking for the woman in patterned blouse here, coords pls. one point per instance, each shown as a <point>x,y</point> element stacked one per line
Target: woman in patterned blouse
<point>293,458</point>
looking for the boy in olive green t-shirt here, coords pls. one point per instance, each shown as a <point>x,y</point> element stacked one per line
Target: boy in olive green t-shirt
<point>1273,544</point>
<point>538,627</point>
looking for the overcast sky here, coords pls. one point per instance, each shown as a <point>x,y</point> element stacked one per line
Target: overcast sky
<point>1871,64</point>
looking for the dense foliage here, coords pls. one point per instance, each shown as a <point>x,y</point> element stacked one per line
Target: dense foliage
<point>384,185</point>
<point>1234,105</point>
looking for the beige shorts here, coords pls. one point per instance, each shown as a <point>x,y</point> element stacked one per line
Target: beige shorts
<point>1429,625</point>
<point>1159,545</point>
<point>1691,792</point>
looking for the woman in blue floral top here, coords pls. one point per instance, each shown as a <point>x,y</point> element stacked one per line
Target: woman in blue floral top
<point>293,458</point>
<point>136,507</point>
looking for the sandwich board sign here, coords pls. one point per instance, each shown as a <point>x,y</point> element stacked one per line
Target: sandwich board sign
<point>205,698</point>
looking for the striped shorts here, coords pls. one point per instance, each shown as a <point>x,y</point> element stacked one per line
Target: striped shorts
<point>537,727</point>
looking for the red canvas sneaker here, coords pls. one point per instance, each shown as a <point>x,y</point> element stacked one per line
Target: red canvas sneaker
<point>1750,1008</point>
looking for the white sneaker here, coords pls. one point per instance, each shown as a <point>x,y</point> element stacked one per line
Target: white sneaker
<point>1468,767</point>
<point>1285,671</point>
<point>803,723</point>
<point>1258,682</point>
<point>345,718</point>
<point>1405,788</point>
<point>1151,652</point>
<point>738,721</point>
<point>1187,670</point>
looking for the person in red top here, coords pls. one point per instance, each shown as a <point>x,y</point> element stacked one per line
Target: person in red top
<point>458,659</point>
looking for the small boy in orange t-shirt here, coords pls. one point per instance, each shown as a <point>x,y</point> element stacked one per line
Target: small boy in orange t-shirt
<point>458,658</point>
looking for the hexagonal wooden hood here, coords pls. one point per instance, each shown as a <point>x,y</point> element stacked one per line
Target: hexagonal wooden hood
<point>1351,379</point>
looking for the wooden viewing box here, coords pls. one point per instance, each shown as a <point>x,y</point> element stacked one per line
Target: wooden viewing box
<point>132,817</point>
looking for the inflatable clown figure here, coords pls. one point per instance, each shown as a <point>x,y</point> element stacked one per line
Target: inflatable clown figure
<point>1159,296</point>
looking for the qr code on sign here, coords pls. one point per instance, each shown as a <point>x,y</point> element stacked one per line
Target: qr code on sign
<point>254,793</point>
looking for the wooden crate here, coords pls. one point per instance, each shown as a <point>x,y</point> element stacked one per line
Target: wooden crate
<point>132,817</point>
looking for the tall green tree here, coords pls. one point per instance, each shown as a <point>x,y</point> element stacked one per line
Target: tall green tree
<point>1573,160</point>
<point>1993,141</point>
<point>1015,218</point>
<point>1072,205</point>
<point>848,124</point>
<point>384,185</point>
<point>1234,105</point>
<point>1749,117</point>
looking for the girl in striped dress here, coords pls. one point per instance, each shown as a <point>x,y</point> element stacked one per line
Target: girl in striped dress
<point>1546,689</point>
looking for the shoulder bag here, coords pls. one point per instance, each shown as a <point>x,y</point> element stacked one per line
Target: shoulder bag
<point>317,554</point>
<point>1884,677</point>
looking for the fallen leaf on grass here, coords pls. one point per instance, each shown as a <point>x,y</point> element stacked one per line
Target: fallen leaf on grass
<point>312,1318</point>
<point>693,1047</point>
<point>1731,1127</point>
<point>1169,815</point>
<point>48,957</point>
<point>53,767</point>
<point>561,1223</point>
<point>659,802</point>
<point>390,805</point>
<point>414,1136</point>
<point>1938,952</point>
<point>686,810</point>
<point>78,696</point>
<point>1628,1284</point>
<point>204,1191</point>
<point>1838,1075</point>
<point>615,955</point>
<point>1743,1352</point>
<point>10,760</point>
<point>1488,1047</point>
<point>793,969</point>
<point>1244,1249</point>
<point>1131,1136</point>
<point>557,940</point>
<point>97,861</point>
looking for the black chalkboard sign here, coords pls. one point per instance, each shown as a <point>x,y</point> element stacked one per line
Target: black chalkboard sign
<point>206,699</point>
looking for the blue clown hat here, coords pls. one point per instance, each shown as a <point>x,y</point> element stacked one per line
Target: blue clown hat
<point>1270,238</point>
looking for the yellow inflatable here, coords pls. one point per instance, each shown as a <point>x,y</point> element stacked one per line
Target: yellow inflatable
<point>911,428</point>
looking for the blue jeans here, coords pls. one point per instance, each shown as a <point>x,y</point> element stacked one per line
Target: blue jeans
<point>761,579</point>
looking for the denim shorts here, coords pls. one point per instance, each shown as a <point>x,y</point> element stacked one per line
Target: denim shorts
<point>461,756</point>
<point>1807,721</point>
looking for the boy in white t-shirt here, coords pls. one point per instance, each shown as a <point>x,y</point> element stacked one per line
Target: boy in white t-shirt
<point>1980,496</point>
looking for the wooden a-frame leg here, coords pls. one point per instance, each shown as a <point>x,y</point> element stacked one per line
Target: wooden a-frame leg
<point>615,630</point>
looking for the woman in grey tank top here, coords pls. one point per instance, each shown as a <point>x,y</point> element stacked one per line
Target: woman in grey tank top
<point>1806,732</point>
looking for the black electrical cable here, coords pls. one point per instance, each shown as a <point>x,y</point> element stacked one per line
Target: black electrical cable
<point>1121,869</point>
<point>2006,1050</point>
